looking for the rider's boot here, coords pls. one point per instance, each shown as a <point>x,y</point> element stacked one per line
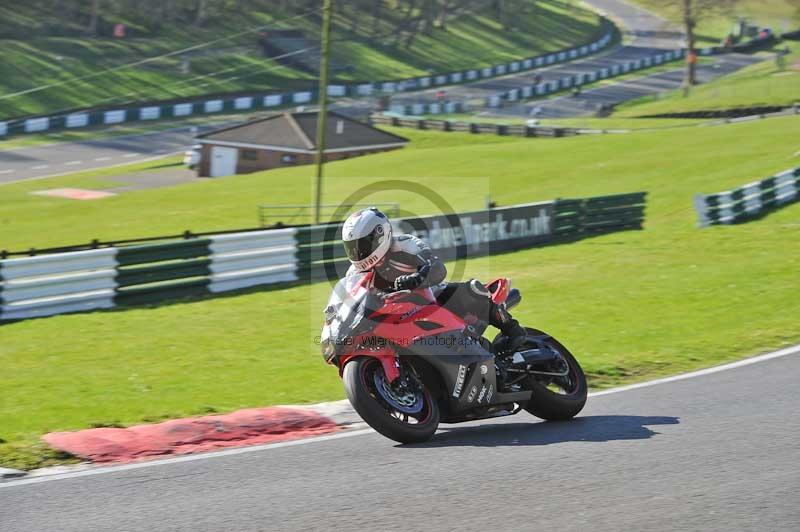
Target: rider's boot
<point>510,328</point>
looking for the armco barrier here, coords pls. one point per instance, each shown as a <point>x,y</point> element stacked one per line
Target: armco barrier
<point>55,284</point>
<point>242,102</point>
<point>748,201</point>
<point>151,273</point>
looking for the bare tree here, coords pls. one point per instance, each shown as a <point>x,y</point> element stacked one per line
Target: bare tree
<point>691,13</point>
<point>91,29</point>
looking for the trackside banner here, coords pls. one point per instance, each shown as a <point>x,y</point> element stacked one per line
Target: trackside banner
<point>483,232</point>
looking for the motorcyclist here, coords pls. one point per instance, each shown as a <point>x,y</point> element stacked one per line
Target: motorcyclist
<point>404,262</point>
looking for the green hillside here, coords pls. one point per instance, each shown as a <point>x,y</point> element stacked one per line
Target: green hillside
<point>43,46</point>
<point>780,15</point>
<point>763,84</point>
<point>631,305</point>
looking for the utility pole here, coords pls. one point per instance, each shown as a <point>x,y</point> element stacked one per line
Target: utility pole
<point>323,104</point>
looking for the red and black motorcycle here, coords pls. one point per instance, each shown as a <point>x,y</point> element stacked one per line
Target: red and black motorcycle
<point>408,363</point>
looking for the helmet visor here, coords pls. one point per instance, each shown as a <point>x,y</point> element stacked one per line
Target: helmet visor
<point>361,248</point>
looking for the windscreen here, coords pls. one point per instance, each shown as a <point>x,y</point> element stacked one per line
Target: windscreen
<point>352,300</point>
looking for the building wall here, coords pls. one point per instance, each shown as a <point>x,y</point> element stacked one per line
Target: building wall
<point>269,159</point>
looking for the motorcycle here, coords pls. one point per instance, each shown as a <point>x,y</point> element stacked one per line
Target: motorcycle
<point>408,363</point>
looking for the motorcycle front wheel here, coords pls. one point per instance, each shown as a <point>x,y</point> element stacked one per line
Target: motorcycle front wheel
<point>406,414</point>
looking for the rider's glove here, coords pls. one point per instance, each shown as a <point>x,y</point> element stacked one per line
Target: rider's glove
<point>408,282</point>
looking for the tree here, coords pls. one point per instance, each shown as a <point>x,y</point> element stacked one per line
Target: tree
<point>691,13</point>
<point>91,29</point>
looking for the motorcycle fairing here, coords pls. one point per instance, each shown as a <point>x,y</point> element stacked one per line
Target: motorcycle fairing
<point>464,366</point>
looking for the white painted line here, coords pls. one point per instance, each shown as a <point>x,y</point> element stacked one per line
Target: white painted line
<point>72,163</point>
<point>103,159</point>
<point>131,154</point>
<point>46,476</point>
<point>40,167</point>
<point>6,171</point>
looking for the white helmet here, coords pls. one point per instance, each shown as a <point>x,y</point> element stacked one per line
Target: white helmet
<point>367,237</point>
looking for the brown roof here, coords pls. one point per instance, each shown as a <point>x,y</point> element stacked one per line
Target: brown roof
<point>299,130</point>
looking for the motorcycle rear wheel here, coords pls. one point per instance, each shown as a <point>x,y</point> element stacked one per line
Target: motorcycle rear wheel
<point>361,378</point>
<point>557,400</point>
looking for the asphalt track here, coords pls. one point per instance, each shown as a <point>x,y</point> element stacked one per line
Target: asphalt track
<point>718,451</point>
<point>36,162</point>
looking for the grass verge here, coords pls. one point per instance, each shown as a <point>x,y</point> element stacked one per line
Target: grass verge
<point>763,83</point>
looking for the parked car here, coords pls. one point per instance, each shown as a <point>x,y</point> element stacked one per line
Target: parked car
<point>191,158</point>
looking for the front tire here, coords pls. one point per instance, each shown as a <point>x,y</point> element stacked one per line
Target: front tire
<point>362,377</point>
<point>555,399</point>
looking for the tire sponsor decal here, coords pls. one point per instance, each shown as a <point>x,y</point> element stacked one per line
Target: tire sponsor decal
<point>462,373</point>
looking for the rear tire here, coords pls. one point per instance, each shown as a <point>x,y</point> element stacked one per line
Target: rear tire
<point>378,413</point>
<point>552,406</point>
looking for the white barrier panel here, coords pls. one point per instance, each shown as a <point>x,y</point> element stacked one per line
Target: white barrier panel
<point>513,95</point>
<point>603,73</point>
<point>573,54</point>
<point>494,101</point>
<point>584,50</point>
<point>301,97</point>
<point>527,64</point>
<point>212,106</point>
<point>3,129</point>
<point>527,91</point>
<point>514,67</point>
<point>241,260</point>
<point>562,56</point>
<point>58,263</point>
<point>450,107</point>
<point>389,86</point>
<point>272,100</point>
<point>182,109</point>
<point>566,82</point>
<point>472,74</point>
<point>551,59</point>
<point>397,108</point>
<point>626,67</point>
<point>500,69</point>
<point>37,124</point>
<point>245,102</point>
<point>593,47</point>
<point>487,72</point>
<point>337,90</point>
<point>440,80</point>
<point>149,113</point>
<point>424,82</point>
<point>435,109</point>
<point>61,305</point>
<point>456,77</point>
<point>77,120</point>
<point>114,117</point>
<point>706,51</point>
<point>238,242</point>
<point>539,61</point>
<point>541,88</point>
<point>418,109</point>
<point>54,284</point>
<point>364,89</point>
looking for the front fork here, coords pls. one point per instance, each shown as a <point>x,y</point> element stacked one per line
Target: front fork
<point>388,357</point>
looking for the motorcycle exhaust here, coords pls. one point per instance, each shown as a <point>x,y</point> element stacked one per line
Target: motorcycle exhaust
<point>541,361</point>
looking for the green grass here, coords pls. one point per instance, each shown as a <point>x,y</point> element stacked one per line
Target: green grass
<point>631,305</point>
<point>472,39</point>
<point>780,15</point>
<point>759,84</point>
